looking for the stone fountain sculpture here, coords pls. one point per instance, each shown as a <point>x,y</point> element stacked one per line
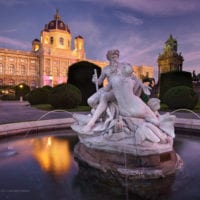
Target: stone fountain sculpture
<point>122,135</point>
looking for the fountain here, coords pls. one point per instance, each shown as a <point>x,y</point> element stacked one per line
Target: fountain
<point>123,141</point>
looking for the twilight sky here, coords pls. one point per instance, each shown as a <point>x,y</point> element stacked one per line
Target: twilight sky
<point>138,28</point>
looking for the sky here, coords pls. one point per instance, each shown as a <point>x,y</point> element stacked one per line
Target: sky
<point>138,28</point>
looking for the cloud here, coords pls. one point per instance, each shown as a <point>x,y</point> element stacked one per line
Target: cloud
<point>14,43</point>
<point>155,7</point>
<point>127,18</point>
<point>8,30</point>
<point>192,56</point>
<point>161,7</point>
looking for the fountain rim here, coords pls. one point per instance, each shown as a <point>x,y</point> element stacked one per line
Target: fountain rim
<point>18,128</point>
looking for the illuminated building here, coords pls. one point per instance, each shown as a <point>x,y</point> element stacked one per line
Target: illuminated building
<point>50,58</point>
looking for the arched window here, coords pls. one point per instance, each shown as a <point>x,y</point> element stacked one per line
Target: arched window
<point>1,68</point>
<point>51,40</point>
<point>61,41</point>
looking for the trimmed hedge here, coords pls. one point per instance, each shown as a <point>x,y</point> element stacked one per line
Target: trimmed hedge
<point>80,75</point>
<point>8,97</point>
<point>65,96</point>
<point>172,79</point>
<point>38,96</point>
<point>181,97</point>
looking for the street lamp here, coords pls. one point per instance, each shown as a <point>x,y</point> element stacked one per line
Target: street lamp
<point>21,89</point>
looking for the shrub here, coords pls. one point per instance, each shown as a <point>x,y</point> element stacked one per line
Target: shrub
<point>38,96</point>
<point>21,90</point>
<point>8,97</point>
<point>181,97</point>
<point>48,87</point>
<point>172,79</point>
<point>65,96</point>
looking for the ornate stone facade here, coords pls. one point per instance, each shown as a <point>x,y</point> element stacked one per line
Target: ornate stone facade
<point>18,67</point>
<point>170,60</point>
<point>50,58</point>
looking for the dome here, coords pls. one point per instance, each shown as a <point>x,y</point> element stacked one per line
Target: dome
<point>79,36</point>
<point>57,23</point>
<point>36,40</point>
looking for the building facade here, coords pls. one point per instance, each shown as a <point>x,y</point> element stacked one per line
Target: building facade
<point>50,58</point>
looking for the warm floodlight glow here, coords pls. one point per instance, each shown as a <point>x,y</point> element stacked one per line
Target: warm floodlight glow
<point>53,155</point>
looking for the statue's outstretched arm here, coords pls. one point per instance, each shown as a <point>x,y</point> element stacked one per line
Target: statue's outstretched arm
<point>139,87</point>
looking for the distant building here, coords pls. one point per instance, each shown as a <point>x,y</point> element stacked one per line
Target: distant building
<point>170,60</point>
<point>50,58</point>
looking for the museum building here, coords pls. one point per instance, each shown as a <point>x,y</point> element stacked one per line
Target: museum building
<point>50,58</point>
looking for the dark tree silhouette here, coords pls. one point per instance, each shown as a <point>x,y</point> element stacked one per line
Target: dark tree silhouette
<point>80,74</point>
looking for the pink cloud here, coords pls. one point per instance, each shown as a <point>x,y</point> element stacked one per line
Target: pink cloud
<point>15,43</point>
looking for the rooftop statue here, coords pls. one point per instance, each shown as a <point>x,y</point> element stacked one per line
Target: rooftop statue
<point>170,46</point>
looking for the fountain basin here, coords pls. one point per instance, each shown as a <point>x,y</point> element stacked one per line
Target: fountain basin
<point>136,173</point>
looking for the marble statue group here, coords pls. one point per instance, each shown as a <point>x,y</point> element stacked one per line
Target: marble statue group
<point>119,116</point>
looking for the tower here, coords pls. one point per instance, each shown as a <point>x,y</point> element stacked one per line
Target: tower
<point>56,53</point>
<point>79,46</point>
<point>170,60</point>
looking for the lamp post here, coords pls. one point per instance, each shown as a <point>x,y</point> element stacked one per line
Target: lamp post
<point>21,89</point>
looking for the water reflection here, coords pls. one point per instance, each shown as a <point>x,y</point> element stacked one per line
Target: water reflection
<point>53,155</point>
<point>37,159</point>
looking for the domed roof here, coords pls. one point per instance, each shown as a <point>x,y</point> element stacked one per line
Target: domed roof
<point>57,23</point>
<point>36,40</point>
<point>79,36</point>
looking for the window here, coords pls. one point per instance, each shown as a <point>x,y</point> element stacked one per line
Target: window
<point>61,41</point>
<point>23,70</point>
<point>1,81</point>
<point>48,71</point>
<point>11,82</point>
<point>46,41</point>
<point>51,40</point>
<point>33,84</point>
<point>56,71</point>
<point>1,68</point>
<point>11,69</point>
<point>32,70</point>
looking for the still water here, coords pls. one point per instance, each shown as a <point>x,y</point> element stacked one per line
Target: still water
<point>43,168</point>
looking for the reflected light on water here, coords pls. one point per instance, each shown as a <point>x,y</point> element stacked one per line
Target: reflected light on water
<point>53,155</point>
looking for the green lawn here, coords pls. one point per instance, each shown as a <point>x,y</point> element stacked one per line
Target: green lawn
<point>48,107</point>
